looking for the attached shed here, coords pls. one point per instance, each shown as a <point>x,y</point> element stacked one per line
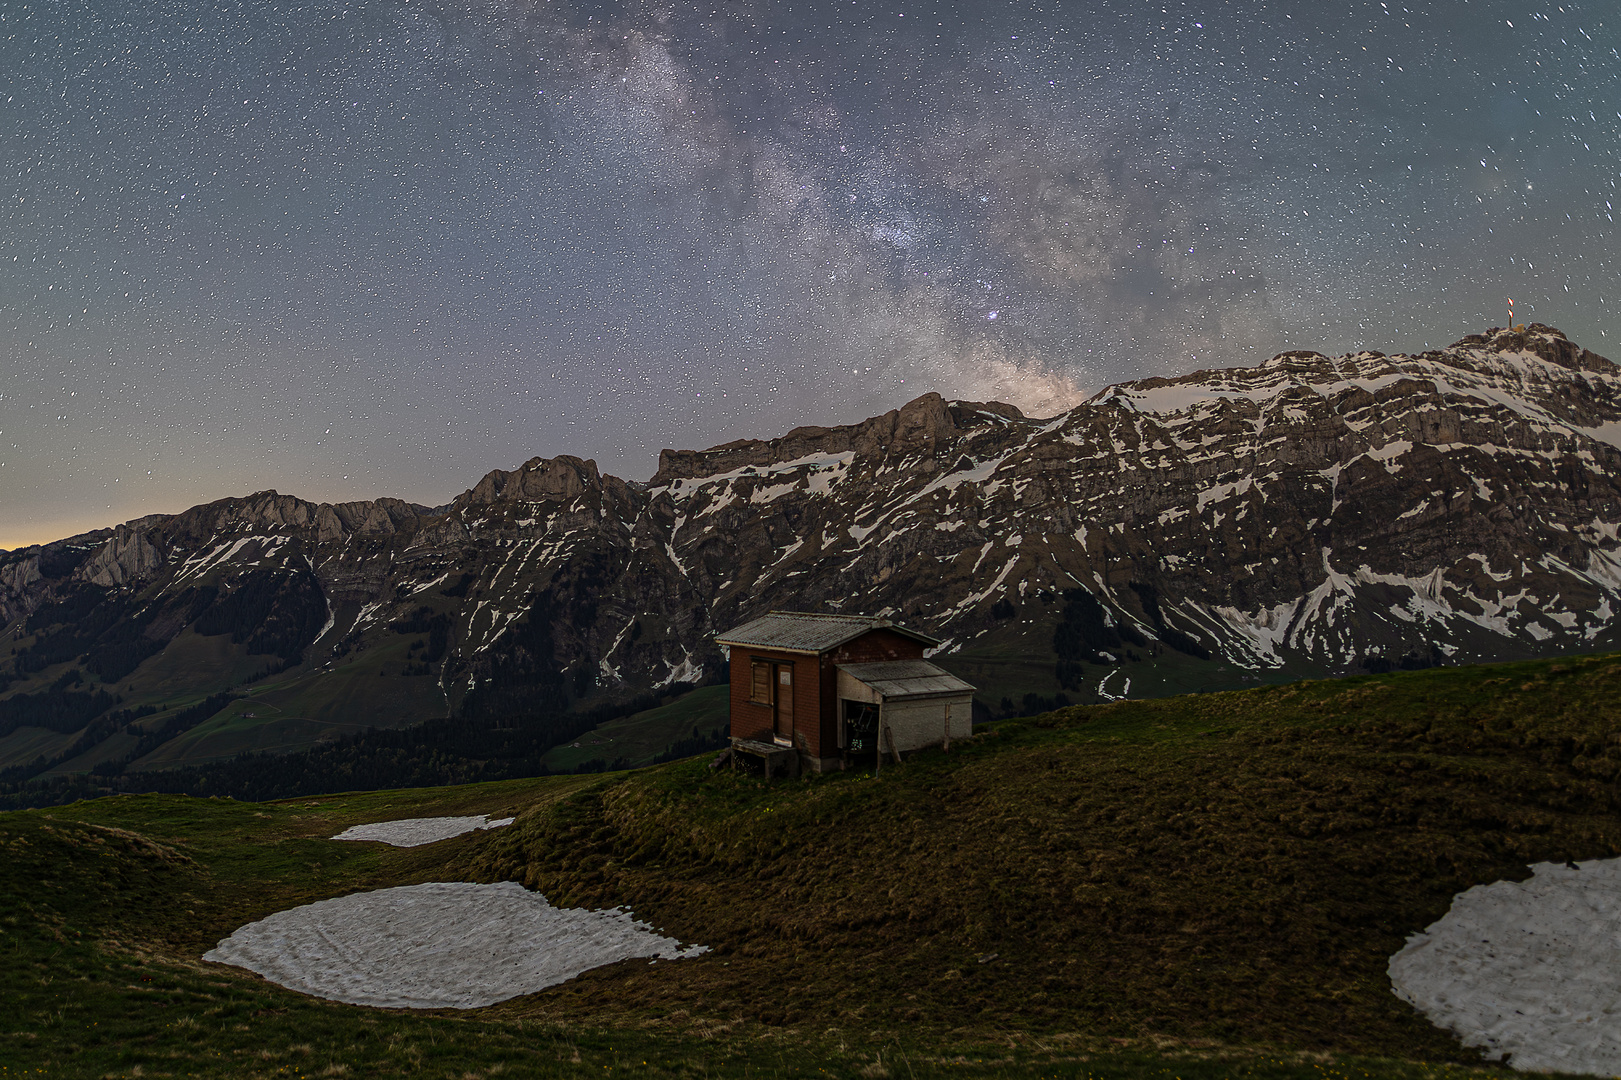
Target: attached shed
<point>793,689</point>
<point>898,705</point>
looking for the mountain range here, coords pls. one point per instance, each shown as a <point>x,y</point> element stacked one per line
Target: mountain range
<point>1306,517</point>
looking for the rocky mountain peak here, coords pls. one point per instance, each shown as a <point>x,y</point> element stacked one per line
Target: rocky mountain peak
<point>127,556</point>
<point>921,425</point>
<point>558,479</point>
<point>372,517</point>
<point>1545,342</point>
<point>264,510</point>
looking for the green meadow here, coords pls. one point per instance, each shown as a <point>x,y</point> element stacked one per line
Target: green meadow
<point>643,736</point>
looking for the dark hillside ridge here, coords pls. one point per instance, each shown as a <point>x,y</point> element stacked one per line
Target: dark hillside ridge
<point>1310,515</point>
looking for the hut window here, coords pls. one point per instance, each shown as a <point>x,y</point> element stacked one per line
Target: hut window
<point>760,682</point>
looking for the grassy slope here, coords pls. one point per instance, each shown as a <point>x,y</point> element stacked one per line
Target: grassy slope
<point>641,737</point>
<point>1017,658</point>
<point>173,674</point>
<point>302,707</point>
<point>26,744</point>
<point>1210,879</point>
<point>291,712</point>
<point>295,709</point>
<point>1235,867</point>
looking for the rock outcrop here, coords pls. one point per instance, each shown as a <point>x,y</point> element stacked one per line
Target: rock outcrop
<point>127,556</point>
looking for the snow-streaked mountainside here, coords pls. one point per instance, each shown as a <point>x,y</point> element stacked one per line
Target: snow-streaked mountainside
<point>1312,514</point>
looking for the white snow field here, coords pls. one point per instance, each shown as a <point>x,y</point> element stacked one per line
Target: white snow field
<point>416,831</point>
<point>445,944</point>
<point>1529,971</point>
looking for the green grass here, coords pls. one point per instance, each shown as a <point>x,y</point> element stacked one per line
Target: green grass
<point>173,674</point>
<point>1232,867</point>
<point>26,744</point>
<point>293,710</point>
<point>242,728</point>
<point>641,737</point>
<point>298,709</point>
<point>1197,887</point>
<point>357,686</point>
<point>117,745</point>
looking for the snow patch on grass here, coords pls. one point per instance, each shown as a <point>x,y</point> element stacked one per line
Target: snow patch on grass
<point>1530,971</point>
<point>444,944</point>
<point>414,832</point>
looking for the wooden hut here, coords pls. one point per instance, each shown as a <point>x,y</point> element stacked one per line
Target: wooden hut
<point>819,691</point>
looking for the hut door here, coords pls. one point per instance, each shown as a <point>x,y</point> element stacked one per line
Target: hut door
<point>860,727</point>
<point>785,703</point>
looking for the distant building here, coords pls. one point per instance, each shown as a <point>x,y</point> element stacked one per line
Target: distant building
<point>825,692</point>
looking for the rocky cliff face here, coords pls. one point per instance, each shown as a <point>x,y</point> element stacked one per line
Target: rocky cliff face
<point>1313,513</point>
<point>1311,509</point>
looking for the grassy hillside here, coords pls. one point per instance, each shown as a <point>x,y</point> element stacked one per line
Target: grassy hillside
<point>1201,886</point>
<point>1015,668</point>
<point>1228,867</point>
<point>638,739</point>
<point>295,709</point>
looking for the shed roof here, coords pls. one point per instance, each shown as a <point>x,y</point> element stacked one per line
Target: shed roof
<point>898,680</point>
<point>809,631</point>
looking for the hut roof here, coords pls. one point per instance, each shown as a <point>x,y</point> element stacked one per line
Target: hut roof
<point>812,632</point>
<point>898,680</point>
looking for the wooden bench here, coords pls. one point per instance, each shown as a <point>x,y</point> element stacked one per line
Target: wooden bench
<point>773,758</point>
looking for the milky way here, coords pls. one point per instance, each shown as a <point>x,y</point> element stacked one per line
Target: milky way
<point>352,250</point>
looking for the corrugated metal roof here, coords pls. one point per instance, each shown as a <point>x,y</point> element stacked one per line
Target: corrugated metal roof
<point>898,680</point>
<point>809,631</point>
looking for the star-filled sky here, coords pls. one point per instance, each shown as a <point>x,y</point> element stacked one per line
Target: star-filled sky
<point>358,249</point>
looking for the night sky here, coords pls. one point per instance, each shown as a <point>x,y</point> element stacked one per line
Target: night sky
<point>354,250</point>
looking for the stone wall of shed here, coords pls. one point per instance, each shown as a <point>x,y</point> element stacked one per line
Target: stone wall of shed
<point>916,724</point>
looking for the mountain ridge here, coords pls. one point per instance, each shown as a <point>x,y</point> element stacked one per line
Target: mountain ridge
<point>1308,515</point>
